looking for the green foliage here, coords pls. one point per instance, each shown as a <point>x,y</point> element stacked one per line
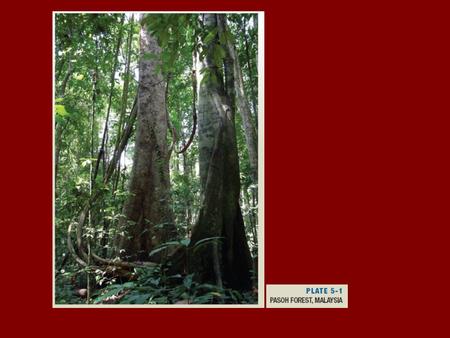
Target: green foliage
<point>61,110</point>
<point>84,55</point>
<point>184,243</point>
<point>205,241</point>
<point>210,36</point>
<point>174,33</point>
<point>218,54</point>
<point>154,286</point>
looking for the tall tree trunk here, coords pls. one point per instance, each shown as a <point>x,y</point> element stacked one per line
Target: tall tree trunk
<point>242,104</point>
<point>148,218</point>
<point>225,261</point>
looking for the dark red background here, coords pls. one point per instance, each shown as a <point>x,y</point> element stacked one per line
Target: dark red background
<point>356,162</point>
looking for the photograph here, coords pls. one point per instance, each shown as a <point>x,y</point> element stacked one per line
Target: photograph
<point>158,159</point>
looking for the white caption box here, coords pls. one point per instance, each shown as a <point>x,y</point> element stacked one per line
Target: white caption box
<point>307,295</point>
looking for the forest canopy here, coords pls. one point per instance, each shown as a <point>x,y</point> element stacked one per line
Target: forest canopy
<point>156,158</point>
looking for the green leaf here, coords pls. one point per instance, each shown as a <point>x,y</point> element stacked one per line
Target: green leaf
<point>218,54</point>
<point>163,38</point>
<point>205,299</point>
<point>228,36</point>
<point>222,38</point>
<point>135,298</point>
<point>206,241</point>
<point>187,282</point>
<point>79,77</point>
<point>163,247</point>
<point>217,294</point>
<point>185,242</point>
<point>159,300</point>
<point>210,36</point>
<point>61,110</point>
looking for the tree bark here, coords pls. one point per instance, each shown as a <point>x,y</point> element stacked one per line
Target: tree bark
<point>148,219</point>
<point>226,259</point>
<point>242,104</point>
